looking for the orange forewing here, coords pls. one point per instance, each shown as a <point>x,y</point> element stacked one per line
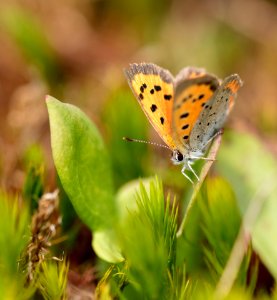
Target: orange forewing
<point>155,96</point>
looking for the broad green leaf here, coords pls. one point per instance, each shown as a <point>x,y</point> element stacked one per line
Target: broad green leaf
<point>105,245</point>
<point>82,164</point>
<point>247,165</point>
<point>189,250</point>
<point>252,171</point>
<point>220,222</point>
<point>265,232</point>
<point>126,197</point>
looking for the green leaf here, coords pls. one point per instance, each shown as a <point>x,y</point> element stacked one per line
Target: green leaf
<point>252,171</point>
<point>265,232</point>
<point>247,165</point>
<point>82,163</point>
<point>189,250</point>
<point>220,223</point>
<point>105,245</point>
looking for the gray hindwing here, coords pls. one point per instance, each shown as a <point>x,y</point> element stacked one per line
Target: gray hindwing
<point>213,115</point>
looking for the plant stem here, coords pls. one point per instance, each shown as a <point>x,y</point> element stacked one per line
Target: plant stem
<point>212,154</point>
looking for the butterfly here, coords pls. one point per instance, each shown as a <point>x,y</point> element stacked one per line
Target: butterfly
<point>187,111</point>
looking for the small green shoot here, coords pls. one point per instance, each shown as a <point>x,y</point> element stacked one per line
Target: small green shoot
<point>52,279</point>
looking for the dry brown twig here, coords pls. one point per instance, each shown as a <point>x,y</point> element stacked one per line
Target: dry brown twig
<point>45,224</point>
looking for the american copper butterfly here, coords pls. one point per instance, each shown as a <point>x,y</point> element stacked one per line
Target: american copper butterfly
<point>187,111</point>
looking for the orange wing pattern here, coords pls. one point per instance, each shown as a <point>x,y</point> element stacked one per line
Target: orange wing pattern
<point>153,87</point>
<point>186,111</point>
<point>233,84</point>
<point>192,92</point>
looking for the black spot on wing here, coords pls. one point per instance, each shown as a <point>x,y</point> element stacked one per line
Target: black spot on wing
<point>162,120</point>
<point>167,97</point>
<point>153,107</point>
<point>157,88</point>
<point>185,126</point>
<point>143,87</point>
<point>140,96</point>
<point>184,115</point>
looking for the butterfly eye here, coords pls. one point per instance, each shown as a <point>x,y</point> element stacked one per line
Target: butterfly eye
<point>178,156</point>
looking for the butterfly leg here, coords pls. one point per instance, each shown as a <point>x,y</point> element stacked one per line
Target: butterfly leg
<point>183,172</point>
<point>204,158</point>
<point>191,169</point>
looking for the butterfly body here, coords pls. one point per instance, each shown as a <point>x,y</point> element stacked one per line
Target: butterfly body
<point>186,111</point>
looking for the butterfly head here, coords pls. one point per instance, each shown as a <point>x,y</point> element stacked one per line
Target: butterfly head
<point>177,157</point>
<point>189,157</point>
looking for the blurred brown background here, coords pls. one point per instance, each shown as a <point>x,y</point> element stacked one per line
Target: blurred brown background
<point>76,51</point>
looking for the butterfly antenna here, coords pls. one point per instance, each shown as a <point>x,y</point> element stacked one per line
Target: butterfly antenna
<point>145,142</point>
